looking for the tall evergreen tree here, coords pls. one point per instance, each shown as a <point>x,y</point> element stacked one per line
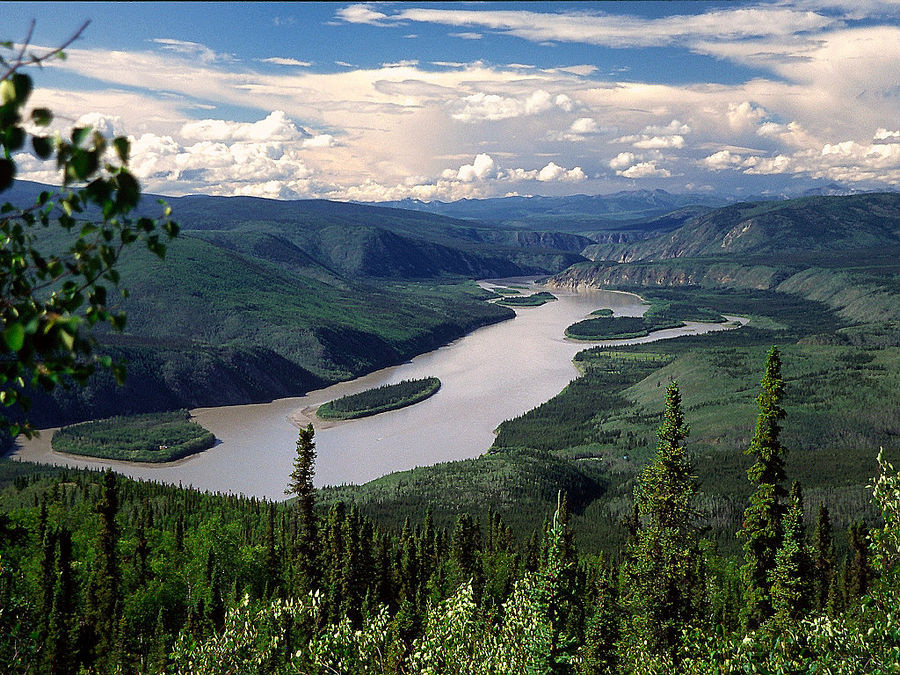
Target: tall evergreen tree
<point>61,634</point>
<point>762,528</point>
<point>823,558</point>
<point>792,579</point>
<point>106,592</point>
<point>301,485</point>
<point>858,572</point>
<point>664,570</point>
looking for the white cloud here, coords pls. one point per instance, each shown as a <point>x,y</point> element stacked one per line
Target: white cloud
<point>723,159</point>
<point>282,61</point>
<point>194,50</point>
<point>275,127</point>
<point>554,172</point>
<point>361,14</point>
<point>584,125</point>
<point>745,115</point>
<point>622,160</point>
<point>792,134</point>
<point>492,107</point>
<point>884,134</point>
<point>108,125</point>
<point>610,30</point>
<point>483,167</point>
<point>644,170</point>
<point>467,35</point>
<point>654,142</point>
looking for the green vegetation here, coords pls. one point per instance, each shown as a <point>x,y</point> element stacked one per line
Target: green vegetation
<point>506,290</point>
<point>104,574</point>
<point>605,312</point>
<point>533,300</point>
<point>151,437</point>
<point>380,399</point>
<point>618,327</point>
<point>53,293</point>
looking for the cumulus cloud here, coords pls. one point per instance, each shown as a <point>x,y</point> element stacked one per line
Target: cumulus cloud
<point>481,107</point>
<point>483,167</point>
<point>361,14</point>
<point>644,170</point>
<point>723,159</point>
<point>622,160</point>
<point>745,115</point>
<point>657,137</point>
<point>554,172</point>
<point>846,161</point>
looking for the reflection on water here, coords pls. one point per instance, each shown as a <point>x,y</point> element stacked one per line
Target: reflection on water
<point>493,374</point>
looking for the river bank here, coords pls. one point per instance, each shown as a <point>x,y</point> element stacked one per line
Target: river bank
<point>494,373</point>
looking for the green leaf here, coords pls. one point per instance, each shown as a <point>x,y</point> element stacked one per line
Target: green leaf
<point>43,146</point>
<point>7,92</point>
<point>123,148</point>
<point>129,190</point>
<point>15,138</point>
<point>7,172</point>
<point>79,134</point>
<point>23,86</point>
<point>42,116</point>
<point>14,336</point>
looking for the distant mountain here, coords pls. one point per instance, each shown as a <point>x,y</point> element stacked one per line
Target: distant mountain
<point>844,251</point>
<point>773,229</point>
<point>576,213</point>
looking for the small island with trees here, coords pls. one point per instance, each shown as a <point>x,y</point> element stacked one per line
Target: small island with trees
<point>533,300</point>
<point>380,399</point>
<point>151,437</point>
<point>602,325</point>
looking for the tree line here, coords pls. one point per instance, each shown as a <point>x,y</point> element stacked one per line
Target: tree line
<point>103,573</point>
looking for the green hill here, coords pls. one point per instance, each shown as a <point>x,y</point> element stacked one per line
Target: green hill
<point>776,230</point>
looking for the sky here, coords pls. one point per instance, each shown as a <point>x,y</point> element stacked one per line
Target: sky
<point>445,101</point>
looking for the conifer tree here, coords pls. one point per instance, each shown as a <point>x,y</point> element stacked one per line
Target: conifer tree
<point>762,528</point>
<point>823,558</point>
<point>791,579</point>
<point>61,633</point>
<point>553,653</point>
<point>664,571</point>
<point>106,583</point>
<point>301,485</point>
<point>858,572</point>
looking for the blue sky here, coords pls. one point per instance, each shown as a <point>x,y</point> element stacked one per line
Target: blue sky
<point>445,101</point>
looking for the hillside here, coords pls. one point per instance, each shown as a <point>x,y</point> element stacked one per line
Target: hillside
<point>576,213</point>
<point>843,251</point>
<point>775,230</point>
<point>260,298</point>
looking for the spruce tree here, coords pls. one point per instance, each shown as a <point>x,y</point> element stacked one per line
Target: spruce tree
<point>823,558</point>
<point>762,528</point>
<point>664,570</point>
<point>61,633</point>
<point>791,589</point>
<point>858,572</point>
<point>106,582</point>
<point>301,485</point>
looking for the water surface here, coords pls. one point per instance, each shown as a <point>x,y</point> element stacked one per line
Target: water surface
<point>493,374</point>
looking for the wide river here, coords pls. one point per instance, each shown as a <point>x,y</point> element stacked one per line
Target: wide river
<point>492,374</point>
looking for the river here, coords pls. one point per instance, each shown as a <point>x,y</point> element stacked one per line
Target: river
<point>492,374</point>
